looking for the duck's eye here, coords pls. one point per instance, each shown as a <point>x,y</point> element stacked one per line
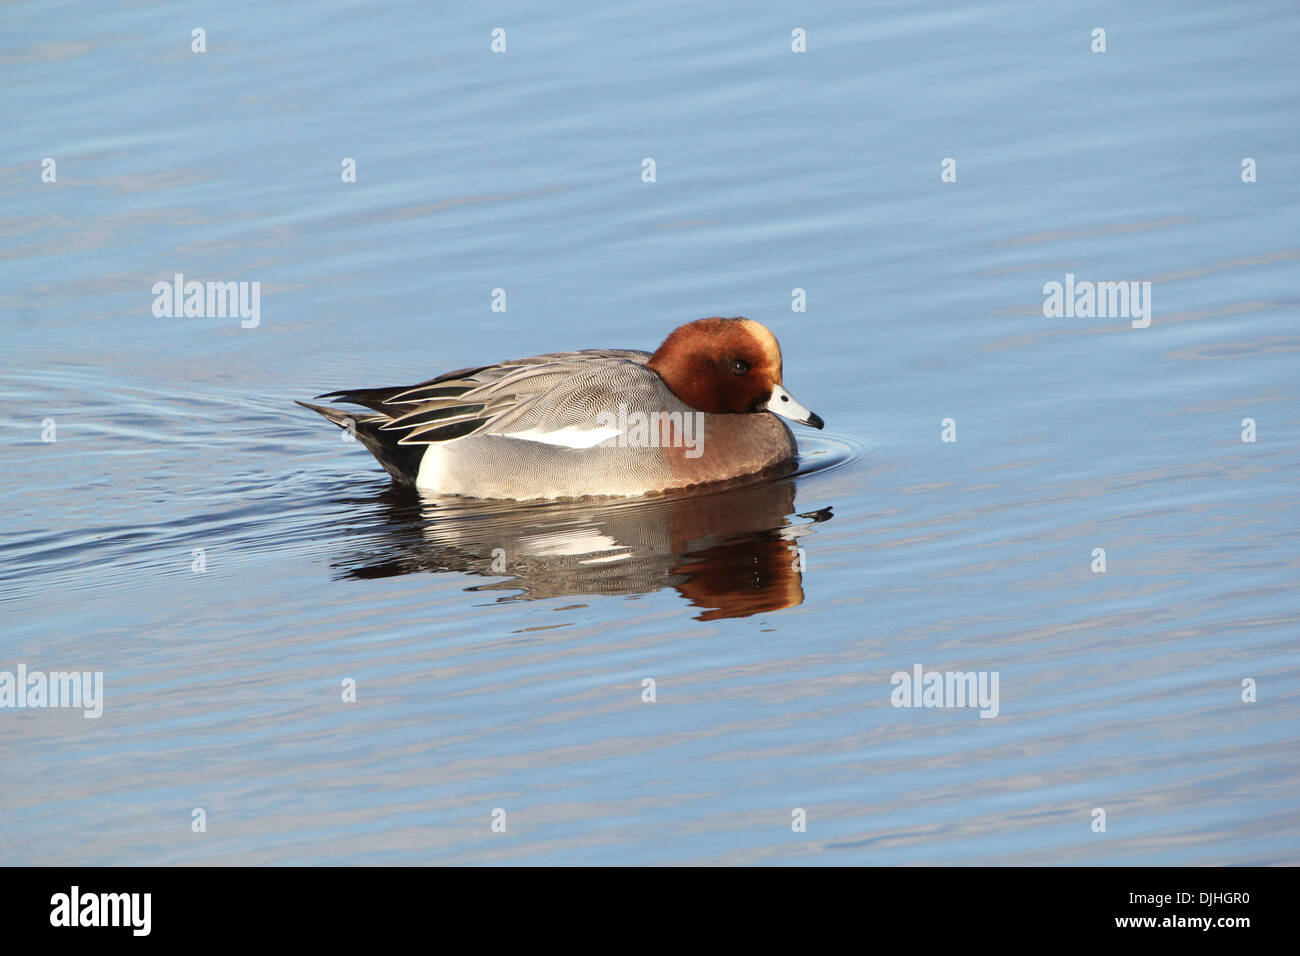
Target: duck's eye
<point>740,366</point>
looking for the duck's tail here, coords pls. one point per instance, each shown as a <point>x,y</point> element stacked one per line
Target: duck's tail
<point>400,461</point>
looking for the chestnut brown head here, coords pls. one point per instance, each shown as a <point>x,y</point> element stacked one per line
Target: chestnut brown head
<point>728,366</point>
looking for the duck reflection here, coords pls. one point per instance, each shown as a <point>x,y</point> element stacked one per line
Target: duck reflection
<point>731,552</point>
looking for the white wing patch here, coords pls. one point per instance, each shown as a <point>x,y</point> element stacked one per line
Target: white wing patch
<point>568,437</point>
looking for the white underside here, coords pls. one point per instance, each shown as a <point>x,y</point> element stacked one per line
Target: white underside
<point>433,466</point>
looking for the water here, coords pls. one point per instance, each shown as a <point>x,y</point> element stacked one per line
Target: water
<point>522,691</point>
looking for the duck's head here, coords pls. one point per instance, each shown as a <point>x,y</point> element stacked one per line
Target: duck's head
<point>728,366</point>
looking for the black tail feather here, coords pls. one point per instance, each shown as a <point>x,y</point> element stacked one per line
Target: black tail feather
<point>400,461</point>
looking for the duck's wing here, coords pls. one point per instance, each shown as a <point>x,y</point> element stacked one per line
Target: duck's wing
<point>524,398</point>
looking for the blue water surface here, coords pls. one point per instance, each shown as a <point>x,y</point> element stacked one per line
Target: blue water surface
<point>770,617</point>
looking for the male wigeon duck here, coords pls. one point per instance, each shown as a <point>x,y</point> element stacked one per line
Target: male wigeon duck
<point>617,422</point>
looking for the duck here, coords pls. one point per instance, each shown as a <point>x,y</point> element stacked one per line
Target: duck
<point>706,406</point>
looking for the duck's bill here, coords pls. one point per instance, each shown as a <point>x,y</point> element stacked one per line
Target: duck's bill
<point>783,404</point>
